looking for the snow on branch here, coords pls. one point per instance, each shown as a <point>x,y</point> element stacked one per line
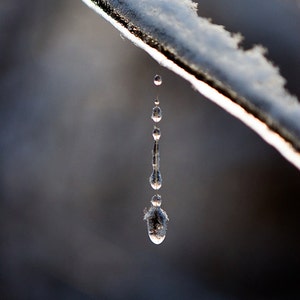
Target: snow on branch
<point>243,82</point>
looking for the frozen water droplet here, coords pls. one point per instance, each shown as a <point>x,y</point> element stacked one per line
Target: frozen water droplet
<point>155,180</point>
<point>156,101</point>
<point>157,220</point>
<point>156,114</point>
<point>156,133</point>
<point>156,200</point>
<point>157,80</point>
<point>155,156</point>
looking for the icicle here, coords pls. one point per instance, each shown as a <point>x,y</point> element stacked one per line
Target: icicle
<point>155,216</point>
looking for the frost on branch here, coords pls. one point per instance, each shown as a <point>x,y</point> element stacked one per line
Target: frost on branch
<point>244,83</point>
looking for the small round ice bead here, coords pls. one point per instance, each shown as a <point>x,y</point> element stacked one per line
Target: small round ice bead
<point>156,133</point>
<point>156,114</point>
<point>156,200</point>
<point>157,80</point>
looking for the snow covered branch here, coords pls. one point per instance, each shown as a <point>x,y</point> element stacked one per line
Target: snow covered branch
<point>244,83</point>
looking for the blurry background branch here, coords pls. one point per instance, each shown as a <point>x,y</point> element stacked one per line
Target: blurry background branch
<point>243,82</point>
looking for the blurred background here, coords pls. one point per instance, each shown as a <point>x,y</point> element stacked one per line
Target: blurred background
<point>75,158</point>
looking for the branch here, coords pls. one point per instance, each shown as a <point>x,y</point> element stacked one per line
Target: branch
<point>244,83</point>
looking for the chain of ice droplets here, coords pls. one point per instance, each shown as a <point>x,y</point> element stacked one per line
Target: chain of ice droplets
<point>156,217</point>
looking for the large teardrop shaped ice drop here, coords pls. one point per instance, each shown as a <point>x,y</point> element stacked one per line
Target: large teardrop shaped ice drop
<point>157,220</point>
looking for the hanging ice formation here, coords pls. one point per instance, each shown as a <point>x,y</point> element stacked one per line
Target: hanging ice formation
<point>155,216</point>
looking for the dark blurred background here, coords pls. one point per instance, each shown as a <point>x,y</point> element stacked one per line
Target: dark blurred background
<point>75,144</point>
